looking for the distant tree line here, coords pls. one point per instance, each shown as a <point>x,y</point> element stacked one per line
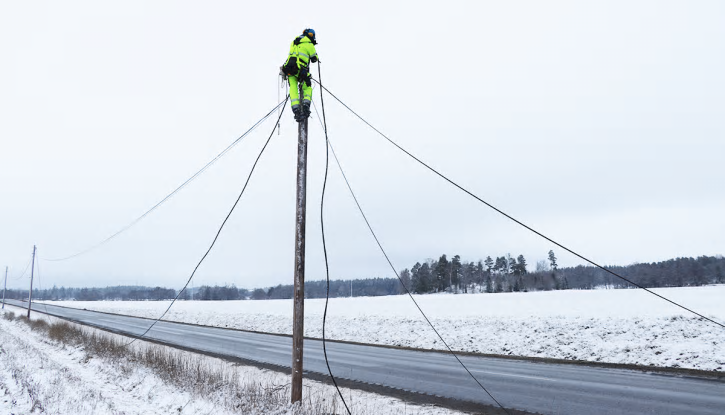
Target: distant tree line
<point>370,287</point>
<point>118,293</point>
<point>509,274</point>
<point>215,293</point>
<point>132,293</point>
<point>502,274</point>
<point>505,273</point>
<point>679,272</point>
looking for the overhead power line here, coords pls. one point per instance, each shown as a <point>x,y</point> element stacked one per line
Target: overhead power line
<point>170,195</point>
<point>24,271</point>
<point>571,251</point>
<point>395,271</point>
<point>218,232</point>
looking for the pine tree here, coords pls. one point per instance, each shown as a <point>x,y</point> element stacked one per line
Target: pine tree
<point>426,278</point>
<point>468,276</point>
<point>500,265</point>
<point>418,286</point>
<point>552,260</point>
<point>489,264</point>
<point>521,265</point>
<point>442,273</point>
<point>456,272</point>
<point>480,273</point>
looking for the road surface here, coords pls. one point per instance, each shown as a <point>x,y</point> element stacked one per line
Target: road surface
<point>523,385</point>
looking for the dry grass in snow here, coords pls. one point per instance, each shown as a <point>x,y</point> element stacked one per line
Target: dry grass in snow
<point>53,367</point>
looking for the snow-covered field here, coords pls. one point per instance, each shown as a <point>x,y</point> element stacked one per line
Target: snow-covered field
<point>615,326</point>
<point>42,376</point>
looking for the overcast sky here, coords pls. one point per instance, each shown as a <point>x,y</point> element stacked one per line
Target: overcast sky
<point>601,124</point>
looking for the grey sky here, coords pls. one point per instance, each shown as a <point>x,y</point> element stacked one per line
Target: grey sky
<point>600,123</point>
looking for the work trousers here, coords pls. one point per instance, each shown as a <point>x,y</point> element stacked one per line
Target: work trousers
<point>294,92</point>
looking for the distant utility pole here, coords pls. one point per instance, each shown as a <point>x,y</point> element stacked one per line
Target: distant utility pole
<point>30,295</point>
<point>5,287</point>
<point>299,284</point>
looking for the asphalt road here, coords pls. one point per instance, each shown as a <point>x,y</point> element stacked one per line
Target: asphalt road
<point>529,386</point>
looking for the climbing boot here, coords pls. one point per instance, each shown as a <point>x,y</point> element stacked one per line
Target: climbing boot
<point>298,112</point>
<point>306,109</point>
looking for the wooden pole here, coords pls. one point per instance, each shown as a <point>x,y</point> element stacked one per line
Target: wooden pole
<point>30,294</point>
<point>299,283</point>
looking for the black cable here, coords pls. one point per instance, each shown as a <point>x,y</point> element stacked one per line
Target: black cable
<point>218,232</point>
<point>337,160</point>
<point>26,270</point>
<point>518,221</point>
<point>189,180</point>
<point>324,245</point>
<point>406,288</point>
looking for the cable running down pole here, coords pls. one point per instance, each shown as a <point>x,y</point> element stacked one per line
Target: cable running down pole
<point>390,263</point>
<point>324,244</point>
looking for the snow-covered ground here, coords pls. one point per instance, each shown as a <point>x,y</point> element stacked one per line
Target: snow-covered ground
<point>615,326</point>
<point>42,376</point>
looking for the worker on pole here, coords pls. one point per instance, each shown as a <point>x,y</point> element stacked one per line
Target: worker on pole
<point>297,69</point>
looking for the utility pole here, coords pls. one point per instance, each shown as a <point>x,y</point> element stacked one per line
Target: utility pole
<point>299,284</point>
<point>5,287</point>
<point>30,294</point>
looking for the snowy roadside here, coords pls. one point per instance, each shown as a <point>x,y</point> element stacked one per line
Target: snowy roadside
<point>40,375</point>
<point>613,326</point>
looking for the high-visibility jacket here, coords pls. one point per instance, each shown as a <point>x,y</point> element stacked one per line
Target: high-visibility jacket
<point>302,49</point>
